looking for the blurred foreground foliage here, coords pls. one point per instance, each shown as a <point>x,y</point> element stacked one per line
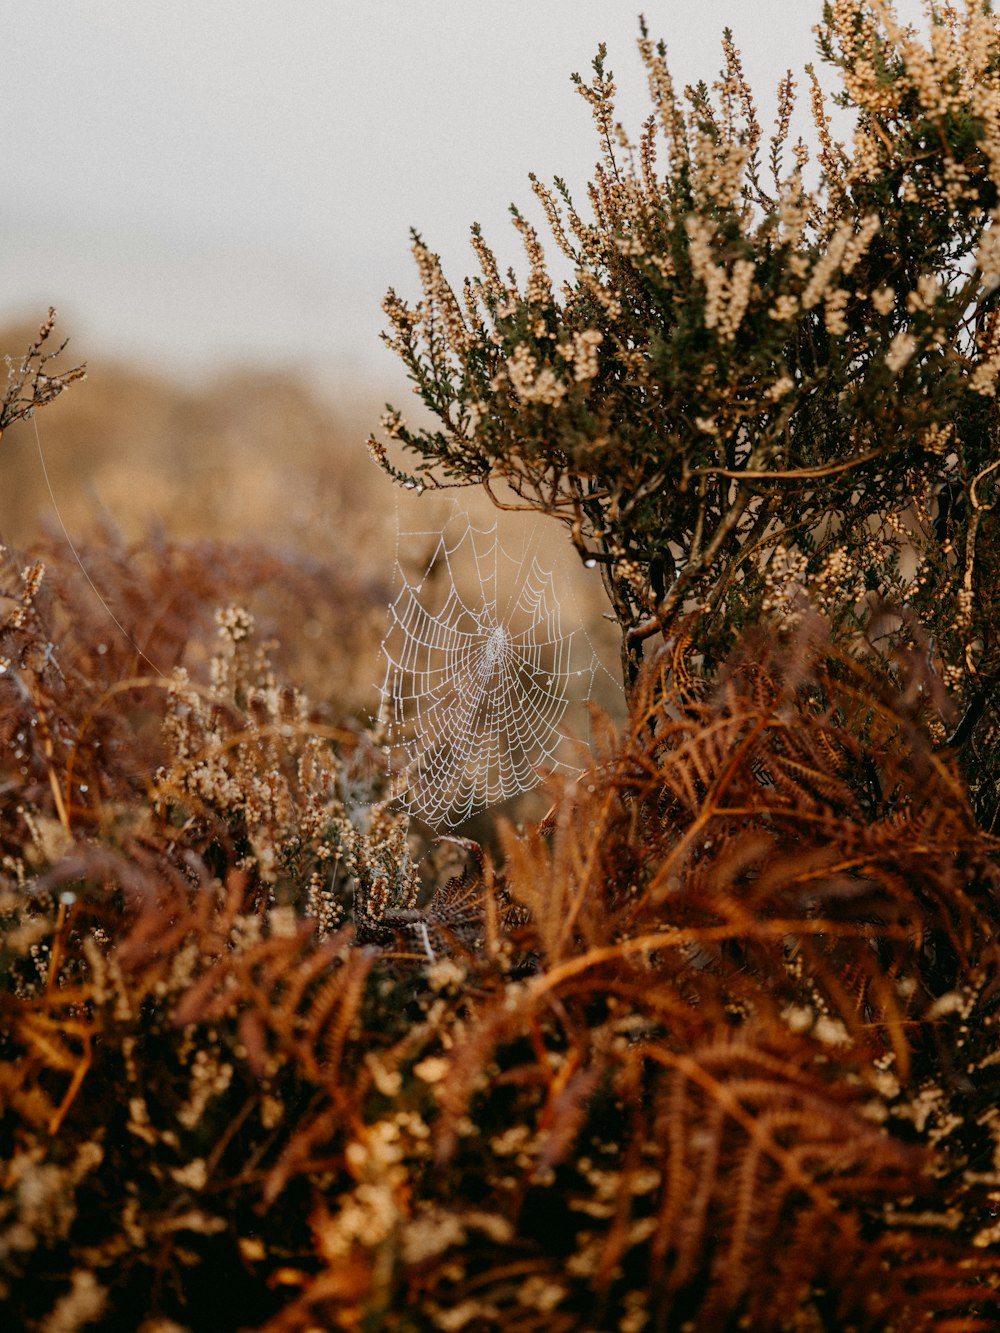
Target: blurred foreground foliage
<point>714,1045</point>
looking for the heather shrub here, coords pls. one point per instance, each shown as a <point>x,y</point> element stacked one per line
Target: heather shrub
<point>765,372</point>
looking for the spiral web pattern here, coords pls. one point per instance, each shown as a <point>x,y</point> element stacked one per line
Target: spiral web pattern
<point>477,684</point>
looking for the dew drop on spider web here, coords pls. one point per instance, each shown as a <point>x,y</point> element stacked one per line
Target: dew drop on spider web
<point>486,676</point>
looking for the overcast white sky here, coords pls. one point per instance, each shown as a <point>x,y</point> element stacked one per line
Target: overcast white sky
<point>202,184</point>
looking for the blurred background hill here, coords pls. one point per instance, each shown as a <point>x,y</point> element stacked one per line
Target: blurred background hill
<point>256,452</point>
<point>250,475</point>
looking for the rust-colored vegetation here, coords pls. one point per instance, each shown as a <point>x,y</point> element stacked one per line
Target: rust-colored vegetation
<point>716,1041</point>
<point>714,1044</point>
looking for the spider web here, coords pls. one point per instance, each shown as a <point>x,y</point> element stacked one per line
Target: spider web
<point>479,676</point>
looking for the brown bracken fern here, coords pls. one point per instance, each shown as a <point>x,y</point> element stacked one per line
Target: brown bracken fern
<point>713,1046</point>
